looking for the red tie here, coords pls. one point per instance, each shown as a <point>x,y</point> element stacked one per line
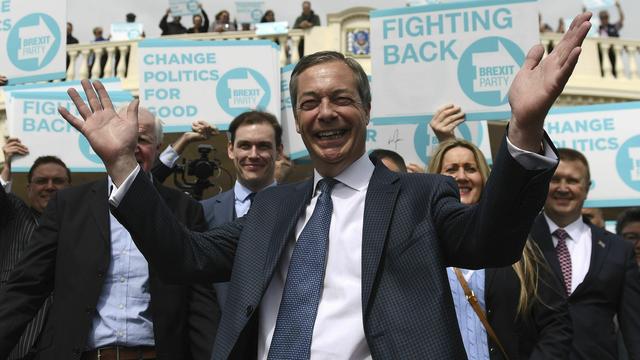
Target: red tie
<point>564,257</point>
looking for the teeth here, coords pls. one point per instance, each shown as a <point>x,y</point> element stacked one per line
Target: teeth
<point>330,133</point>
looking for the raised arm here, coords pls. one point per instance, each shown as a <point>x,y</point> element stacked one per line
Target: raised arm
<point>111,136</point>
<point>445,121</point>
<point>539,83</point>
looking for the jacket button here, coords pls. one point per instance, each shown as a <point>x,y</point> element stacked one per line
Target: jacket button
<point>492,349</point>
<point>249,310</point>
<point>489,311</point>
<point>100,274</point>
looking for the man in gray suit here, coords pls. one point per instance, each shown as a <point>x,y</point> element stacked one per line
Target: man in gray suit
<point>255,143</point>
<point>350,263</point>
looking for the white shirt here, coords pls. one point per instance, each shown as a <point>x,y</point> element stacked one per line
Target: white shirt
<point>338,332</point>
<point>579,245</point>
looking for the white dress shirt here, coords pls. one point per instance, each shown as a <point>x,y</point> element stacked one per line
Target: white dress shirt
<point>579,245</point>
<point>339,330</point>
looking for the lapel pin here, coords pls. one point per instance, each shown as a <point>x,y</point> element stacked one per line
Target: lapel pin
<point>601,244</point>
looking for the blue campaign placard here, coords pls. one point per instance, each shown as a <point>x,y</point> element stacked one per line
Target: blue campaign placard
<point>182,81</point>
<point>609,138</point>
<point>466,53</point>
<point>33,40</point>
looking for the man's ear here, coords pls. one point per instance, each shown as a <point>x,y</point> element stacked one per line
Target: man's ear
<point>230,150</point>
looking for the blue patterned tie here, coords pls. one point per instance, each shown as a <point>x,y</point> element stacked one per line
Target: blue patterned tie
<point>301,296</point>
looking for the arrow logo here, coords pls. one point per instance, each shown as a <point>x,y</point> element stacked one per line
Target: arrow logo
<point>35,41</point>
<point>494,71</point>
<point>245,93</point>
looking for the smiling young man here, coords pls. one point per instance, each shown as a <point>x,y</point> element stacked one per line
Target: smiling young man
<point>350,263</point>
<point>598,270</point>
<point>255,143</point>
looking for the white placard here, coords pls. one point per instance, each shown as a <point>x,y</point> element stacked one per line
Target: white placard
<point>33,40</point>
<point>35,120</point>
<point>467,53</point>
<point>292,141</point>
<point>272,28</point>
<point>126,31</point>
<point>598,4</point>
<point>608,136</point>
<point>249,12</point>
<point>182,81</point>
<point>184,7</point>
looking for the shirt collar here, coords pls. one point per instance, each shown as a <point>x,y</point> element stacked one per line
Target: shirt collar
<point>575,229</point>
<point>241,192</point>
<point>356,176</point>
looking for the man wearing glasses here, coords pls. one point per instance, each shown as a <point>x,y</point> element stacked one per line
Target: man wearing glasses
<point>47,175</point>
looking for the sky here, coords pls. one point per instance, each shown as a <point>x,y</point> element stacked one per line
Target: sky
<point>86,14</point>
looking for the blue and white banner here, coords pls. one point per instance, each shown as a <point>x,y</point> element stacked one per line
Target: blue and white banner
<point>608,136</point>
<point>182,81</point>
<point>126,31</point>
<point>249,12</point>
<point>184,7</point>
<point>35,120</point>
<point>292,141</point>
<point>467,53</point>
<point>33,41</point>
<point>413,138</point>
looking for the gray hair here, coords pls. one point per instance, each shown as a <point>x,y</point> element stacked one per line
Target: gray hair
<point>321,57</point>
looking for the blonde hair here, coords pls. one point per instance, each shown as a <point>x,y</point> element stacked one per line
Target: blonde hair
<point>532,262</point>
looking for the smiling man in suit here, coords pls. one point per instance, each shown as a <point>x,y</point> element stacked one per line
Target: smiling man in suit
<point>597,268</point>
<point>108,302</point>
<point>255,143</point>
<point>350,263</point>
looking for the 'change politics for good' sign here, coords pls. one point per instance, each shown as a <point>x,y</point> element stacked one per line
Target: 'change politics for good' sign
<point>215,81</point>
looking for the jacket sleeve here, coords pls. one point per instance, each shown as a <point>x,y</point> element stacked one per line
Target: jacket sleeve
<point>179,255</point>
<point>493,232</point>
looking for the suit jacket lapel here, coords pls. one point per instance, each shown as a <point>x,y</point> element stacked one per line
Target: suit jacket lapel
<point>100,210</point>
<point>542,236</point>
<point>290,210</point>
<point>226,206</point>
<point>378,210</point>
<point>599,249</point>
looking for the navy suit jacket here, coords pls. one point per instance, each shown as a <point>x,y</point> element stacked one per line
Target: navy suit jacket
<point>414,226</point>
<point>69,254</point>
<point>611,286</point>
<point>219,210</point>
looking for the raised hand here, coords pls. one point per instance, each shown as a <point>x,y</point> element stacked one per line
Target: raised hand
<point>112,137</point>
<point>445,120</point>
<point>539,83</point>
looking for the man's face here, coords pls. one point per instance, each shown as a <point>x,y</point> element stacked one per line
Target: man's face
<point>254,153</point>
<point>631,233</point>
<point>148,145</point>
<point>567,192</point>
<point>330,116</point>
<point>46,179</point>
<point>604,17</point>
<point>306,8</point>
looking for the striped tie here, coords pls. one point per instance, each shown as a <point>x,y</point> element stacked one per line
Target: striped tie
<point>564,257</point>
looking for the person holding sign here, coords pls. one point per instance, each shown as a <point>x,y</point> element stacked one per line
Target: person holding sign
<point>199,26</point>
<point>350,263</point>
